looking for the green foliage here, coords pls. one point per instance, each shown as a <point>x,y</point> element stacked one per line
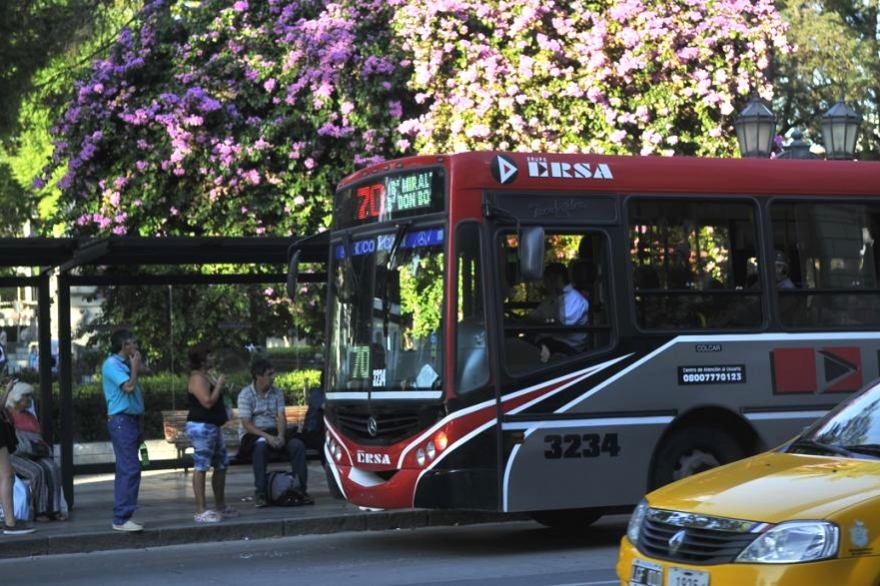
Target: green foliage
<point>229,317</point>
<point>13,204</point>
<point>32,34</point>
<point>836,53</point>
<point>295,384</point>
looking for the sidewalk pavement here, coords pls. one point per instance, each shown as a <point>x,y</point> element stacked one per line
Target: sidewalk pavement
<point>166,507</point>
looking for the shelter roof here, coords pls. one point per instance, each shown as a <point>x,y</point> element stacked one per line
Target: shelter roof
<point>69,253</point>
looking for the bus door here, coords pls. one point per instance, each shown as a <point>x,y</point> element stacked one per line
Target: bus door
<point>552,329</point>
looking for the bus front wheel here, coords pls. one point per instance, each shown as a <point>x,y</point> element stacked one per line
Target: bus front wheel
<point>567,519</point>
<point>692,450</point>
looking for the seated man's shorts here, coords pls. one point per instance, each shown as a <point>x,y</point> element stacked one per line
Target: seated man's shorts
<point>209,449</point>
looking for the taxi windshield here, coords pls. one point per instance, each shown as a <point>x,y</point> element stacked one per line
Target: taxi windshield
<point>853,427</point>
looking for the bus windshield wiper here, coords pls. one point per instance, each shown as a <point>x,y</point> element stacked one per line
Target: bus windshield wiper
<point>804,445</point>
<point>402,230</point>
<point>390,266</point>
<point>350,273</point>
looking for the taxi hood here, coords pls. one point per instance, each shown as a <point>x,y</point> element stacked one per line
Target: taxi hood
<point>775,487</point>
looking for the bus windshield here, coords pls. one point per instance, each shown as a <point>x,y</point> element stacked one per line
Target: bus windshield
<point>385,306</point>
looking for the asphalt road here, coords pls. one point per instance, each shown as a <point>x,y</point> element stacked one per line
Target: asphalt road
<point>497,554</point>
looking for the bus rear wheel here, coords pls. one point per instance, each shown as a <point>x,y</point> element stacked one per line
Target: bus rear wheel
<point>567,519</point>
<point>691,451</point>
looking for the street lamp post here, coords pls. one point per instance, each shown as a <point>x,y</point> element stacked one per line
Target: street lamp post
<point>798,148</point>
<point>755,129</point>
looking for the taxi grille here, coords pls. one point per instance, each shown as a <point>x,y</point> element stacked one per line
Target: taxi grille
<point>697,545</point>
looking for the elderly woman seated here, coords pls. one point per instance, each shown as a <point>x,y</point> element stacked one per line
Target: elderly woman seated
<point>32,460</point>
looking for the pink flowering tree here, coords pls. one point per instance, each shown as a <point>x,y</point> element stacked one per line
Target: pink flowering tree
<point>618,77</point>
<point>233,119</point>
<point>238,118</point>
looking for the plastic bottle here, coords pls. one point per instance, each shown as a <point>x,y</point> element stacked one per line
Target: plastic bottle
<point>145,455</point>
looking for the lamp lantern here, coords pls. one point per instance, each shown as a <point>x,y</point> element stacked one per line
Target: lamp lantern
<point>755,129</point>
<point>840,129</point>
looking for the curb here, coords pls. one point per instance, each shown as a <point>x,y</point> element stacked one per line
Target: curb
<point>36,545</point>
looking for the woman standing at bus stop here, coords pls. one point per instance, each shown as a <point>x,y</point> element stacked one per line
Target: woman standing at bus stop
<point>207,414</point>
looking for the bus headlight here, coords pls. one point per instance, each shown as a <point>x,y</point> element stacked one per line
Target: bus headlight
<point>420,457</point>
<point>441,440</point>
<point>431,450</point>
<point>792,542</point>
<point>635,522</point>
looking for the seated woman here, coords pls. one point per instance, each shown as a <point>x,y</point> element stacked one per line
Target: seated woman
<point>35,465</point>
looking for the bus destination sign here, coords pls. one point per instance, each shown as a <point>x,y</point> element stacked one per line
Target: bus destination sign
<point>392,196</point>
<point>408,192</point>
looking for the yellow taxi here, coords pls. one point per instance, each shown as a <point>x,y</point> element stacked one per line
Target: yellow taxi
<point>807,513</point>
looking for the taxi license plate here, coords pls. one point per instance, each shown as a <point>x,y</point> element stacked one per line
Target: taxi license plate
<point>646,574</point>
<point>682,577</point>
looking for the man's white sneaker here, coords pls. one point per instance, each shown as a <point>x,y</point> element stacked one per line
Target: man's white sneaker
<point>130,526</point>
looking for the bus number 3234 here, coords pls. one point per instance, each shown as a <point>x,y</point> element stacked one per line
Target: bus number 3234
<point>573,445</point>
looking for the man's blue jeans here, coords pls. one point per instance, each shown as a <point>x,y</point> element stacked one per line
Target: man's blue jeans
<point>295,449</point>
<point>125,433</point>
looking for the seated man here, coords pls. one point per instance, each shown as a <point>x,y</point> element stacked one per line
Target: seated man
<point>563,306</point>
<point>261,411</point>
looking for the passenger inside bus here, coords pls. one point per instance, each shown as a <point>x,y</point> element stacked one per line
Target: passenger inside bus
<point>783,278</point>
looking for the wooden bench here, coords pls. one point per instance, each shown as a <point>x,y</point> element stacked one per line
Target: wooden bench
<point>174,423</point>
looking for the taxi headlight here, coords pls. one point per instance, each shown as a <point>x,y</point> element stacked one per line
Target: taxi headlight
<point>795,541</point>
<point>635,522</point>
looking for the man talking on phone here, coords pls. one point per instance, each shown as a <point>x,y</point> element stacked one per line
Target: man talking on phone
<point>125,408</point>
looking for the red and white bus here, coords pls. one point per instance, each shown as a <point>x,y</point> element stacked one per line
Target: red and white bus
<point>730,303</point>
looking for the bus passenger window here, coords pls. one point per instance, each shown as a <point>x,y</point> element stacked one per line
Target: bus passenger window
<point>835,270</point>
<point>690,263</point>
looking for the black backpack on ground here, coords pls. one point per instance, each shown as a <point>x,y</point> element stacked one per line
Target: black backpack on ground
<point>284,489</point>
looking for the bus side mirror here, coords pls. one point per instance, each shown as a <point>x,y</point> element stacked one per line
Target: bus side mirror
<point>292,274</point>
<point>531,253</point>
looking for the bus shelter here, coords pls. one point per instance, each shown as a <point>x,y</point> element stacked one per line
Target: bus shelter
<point>120,261</point>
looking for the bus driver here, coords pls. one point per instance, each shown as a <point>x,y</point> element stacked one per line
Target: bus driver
<point>563,306</point>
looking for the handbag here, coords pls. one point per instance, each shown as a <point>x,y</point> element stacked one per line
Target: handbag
<point>8,430</point>
<point>31,445</point>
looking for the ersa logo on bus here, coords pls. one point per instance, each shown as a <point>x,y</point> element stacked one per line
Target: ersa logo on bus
<point>505,170</point>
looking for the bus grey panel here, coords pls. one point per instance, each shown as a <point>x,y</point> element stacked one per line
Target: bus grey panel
<point>580,465</point>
